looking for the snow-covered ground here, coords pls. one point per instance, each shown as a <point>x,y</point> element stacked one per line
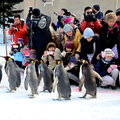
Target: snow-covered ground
<point>18,105</point>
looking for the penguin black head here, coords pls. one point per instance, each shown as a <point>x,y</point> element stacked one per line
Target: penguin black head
<point>7,58</point>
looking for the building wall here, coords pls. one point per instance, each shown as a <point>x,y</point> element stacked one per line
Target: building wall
<point>75,6</point>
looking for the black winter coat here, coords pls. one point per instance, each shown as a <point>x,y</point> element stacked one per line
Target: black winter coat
<point>108,38</point>
<point>41,33</point>
<point>88,48</point>
<point>102,66</point>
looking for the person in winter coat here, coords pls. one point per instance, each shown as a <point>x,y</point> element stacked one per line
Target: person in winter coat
<point>70,21</point>
<point>118,16</point>
<point>90,46</point>
<point>41,35</point>
<point>51,54</point>
<point>107,68</point>
<point>18,30</point>
<point>70,61</point>
<point>98,13</point>
<point>109,33</point>
<point>72,36</point>
<point>17,54</point>
<point>118,22</point>
<point>90,21</point>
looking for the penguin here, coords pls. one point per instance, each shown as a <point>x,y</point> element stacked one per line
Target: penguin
<point>87,78</point>
<point>31,78</point>
<point>61,80</point>
<point>13,73</point>
<point>46,74</point>
<point>0,72</point>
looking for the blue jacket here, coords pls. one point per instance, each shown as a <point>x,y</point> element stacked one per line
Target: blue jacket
<point>18,56</point>
<point>99,15</point>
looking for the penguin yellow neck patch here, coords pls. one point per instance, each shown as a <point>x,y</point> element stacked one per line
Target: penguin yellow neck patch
<point>32,61</point>
<point>9,58</point>
<point>41,61</point>
<point>59,62</point>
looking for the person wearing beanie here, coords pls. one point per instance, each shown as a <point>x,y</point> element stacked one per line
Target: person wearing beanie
<point>70,62</point>
<point>39,25</point>
<point>51,54</point>
<point>67,28</point>
<point>98,13</point>
<point>90,46</point>
<point>72,36</point>
<point>109,33</point>
<point>107,68</point>
<point>118,22</point>
<point>36,12</point>
<point>88,33</point>
<point>90,20</point>
<point>118,16</point>
<point>70,20</point>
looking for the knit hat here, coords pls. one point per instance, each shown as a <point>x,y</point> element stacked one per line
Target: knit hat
<point>96,7</point>
<point>107,52</point>
<point>36,12</point>
<point>68,20</point>
<point>108,11</point>
<point>20,40</point>
<point>117,11</point>
<point>67,28</point>
<point>69,45</point>
<point>88,32</point>
<point>51,44</point>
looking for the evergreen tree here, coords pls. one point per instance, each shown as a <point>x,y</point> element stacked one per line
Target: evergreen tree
<point>7,9</point>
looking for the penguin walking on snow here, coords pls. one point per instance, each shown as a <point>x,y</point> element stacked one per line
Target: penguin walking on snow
<point>31,78</point>
<point>61,80</point>
<point>13,73</point>
<point>0,72</point>
<point>87,78</point>
<point>46,74</point>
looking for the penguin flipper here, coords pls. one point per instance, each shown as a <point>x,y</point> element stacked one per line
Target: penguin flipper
<point>73,77</point>
<point>26,79</point>
<point>55,80</point>
<point>81,83</point>
<point>0,75</point>
<point>97,75</point>
<point>18,79</point>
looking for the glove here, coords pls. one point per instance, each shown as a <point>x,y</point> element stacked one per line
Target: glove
<point>77,56</point>
<point>109,70</point>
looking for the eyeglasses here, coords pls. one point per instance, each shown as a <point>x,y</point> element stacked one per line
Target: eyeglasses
<point>89,12</point>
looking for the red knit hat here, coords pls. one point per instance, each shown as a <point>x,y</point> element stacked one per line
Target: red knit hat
<point>69,45</point>
<point>69,20</point>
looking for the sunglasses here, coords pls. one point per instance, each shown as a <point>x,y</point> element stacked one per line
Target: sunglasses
<point>89,12</point>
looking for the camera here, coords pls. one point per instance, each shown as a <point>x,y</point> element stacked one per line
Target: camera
<point>30,10</point>
<point>49,53</point>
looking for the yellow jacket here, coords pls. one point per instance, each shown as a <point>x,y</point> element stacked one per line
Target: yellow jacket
<point>76,41</point>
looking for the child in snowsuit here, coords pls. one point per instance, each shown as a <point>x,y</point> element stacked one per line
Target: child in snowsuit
<point>107,68</point>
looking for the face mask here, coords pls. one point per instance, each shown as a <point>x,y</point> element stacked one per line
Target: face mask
<point>107,60</point>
